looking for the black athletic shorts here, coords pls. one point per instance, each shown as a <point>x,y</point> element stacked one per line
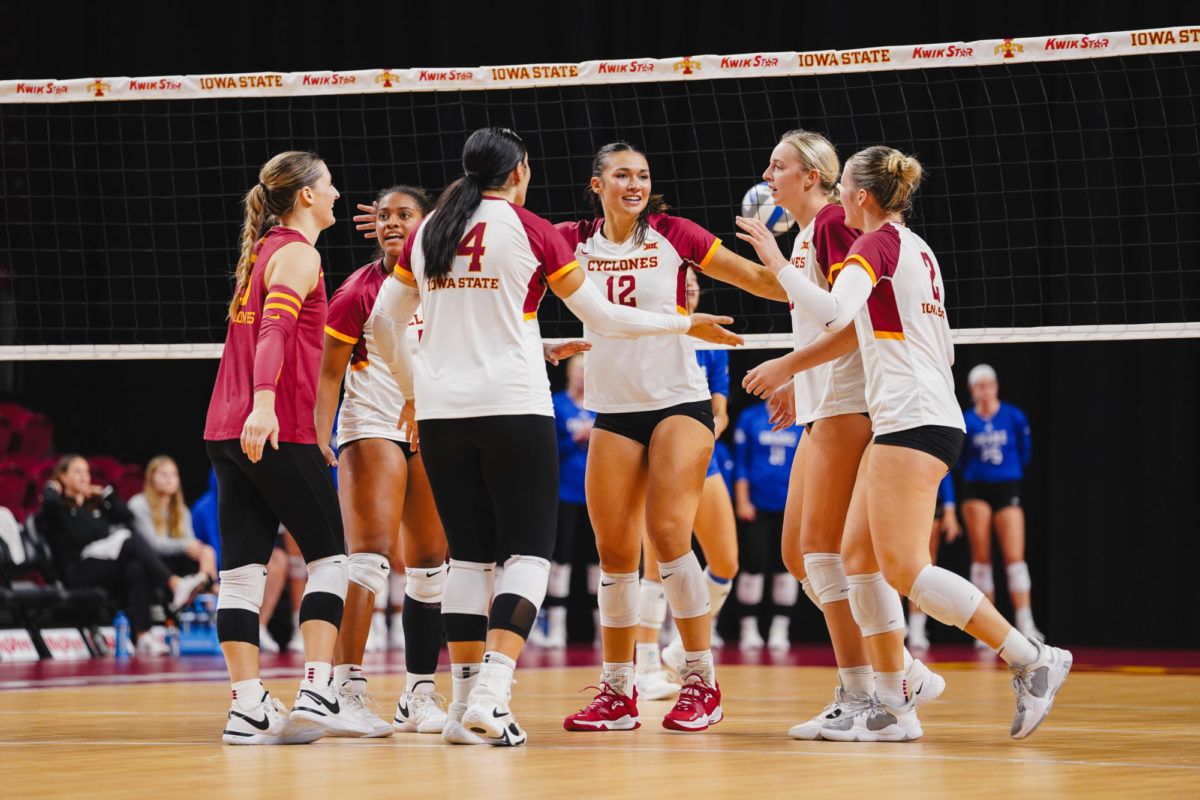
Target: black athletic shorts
<point>997,495</point>
<point>405,447</point>
<point>640,425</point>
<point>940,441</point>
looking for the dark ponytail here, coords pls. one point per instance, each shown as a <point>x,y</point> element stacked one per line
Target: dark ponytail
<point>655,204</point>
<point>489,157</point>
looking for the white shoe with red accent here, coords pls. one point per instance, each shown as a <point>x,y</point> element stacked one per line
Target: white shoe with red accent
<point>608,711</point>
<point>698,707</point>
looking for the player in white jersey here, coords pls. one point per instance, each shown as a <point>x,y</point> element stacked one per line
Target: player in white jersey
<point>831,401</point>
<point>891,289</point>
<point>382,482</point>
<point>653,435</point>
<point>479,266</point>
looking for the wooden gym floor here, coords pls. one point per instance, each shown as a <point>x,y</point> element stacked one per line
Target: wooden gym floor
<point>1132,732</point>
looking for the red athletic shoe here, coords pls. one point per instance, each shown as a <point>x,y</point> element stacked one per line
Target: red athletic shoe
<point>698,706</point>
<point>609,711</point>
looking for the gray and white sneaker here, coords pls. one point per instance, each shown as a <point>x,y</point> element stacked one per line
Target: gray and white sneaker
<point>420,712</point>
<point>454,732</point>
<point>489,716</point>
<point>871,722</point>
<point>843,702</point>
<point>924,684</point>
<point>320,707</point>
<point>187,588</point>
<point>362,721</point>
<point>267,723</point>
<point>1035,686</point>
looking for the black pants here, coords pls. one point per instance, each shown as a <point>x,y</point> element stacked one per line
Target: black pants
<point>495,484</point>
<point>291,485</point>
<point>760,544</point>
<point>134,577</point>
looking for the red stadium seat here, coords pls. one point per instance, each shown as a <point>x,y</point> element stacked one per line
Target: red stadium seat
<point>14,489</point>
<point>35,437</point>
<point>6,434</point>
<point>105,469</point>
<point>129,482</point>
<point>15,413</point>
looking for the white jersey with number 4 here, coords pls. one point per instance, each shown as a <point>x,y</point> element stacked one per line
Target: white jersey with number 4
<point>903,333</point>
<point>837,387</point>
<point>481,350</point>
<point>652,372</point>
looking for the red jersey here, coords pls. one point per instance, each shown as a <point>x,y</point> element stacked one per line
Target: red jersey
<point>296,385</point>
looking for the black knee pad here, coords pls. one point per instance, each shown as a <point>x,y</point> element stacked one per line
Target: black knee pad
<point>512,612</point>
<point>323,606</point>
<point>237,625</point>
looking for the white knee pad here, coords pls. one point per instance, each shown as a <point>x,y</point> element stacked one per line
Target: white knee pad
<point>620,599</point>
<point>1018,577</point>
<point>827,576</point>
<point>946,597</point>
<point>370,571</point>
<point>875,606</point>
<point>785,589</point>
<point>426,584</point>
<point>718,591</point>
<point>981,576</point>
<point>809,592</point>
<point>468,588</point>
<point>297,569</point>
<point>654,605</point>
<point>525,576</point>
<point>593,579</point>
<point>560,580</point>
<point>243,587</point>
<point>329,575</point>
<point>686,586</point>
<point>750,588</point>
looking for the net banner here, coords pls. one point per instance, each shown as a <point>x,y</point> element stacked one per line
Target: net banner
<point>985,52</point>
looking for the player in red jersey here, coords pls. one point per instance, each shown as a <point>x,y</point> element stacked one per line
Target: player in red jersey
<point>262,440</point>
<point>653,436</point>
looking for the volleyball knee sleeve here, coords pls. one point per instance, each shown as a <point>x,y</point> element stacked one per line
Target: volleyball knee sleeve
<point>827,576</point>
<point>1018,577</point>
<point>874,605</point>
<point>370,571</point>
<point>686,586</point>
<point>718,590</point>
<point>784,589</point>
<point>620,600</point>
<point>654,605</point>
<point>426,584</point>
<point>520,593</point>
<point>238,603</point>
<point>297,569</point>
<point>946,597</point>
<point>559,585</point>
<point>325,593</point>
<point>750,588</point>
<point>809,592</point>
<point>465,602</point>
<point>981,577</point>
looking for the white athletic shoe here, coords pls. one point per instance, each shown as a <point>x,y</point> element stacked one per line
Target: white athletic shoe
<point>917,640</point>
<point>454,732</point>
<point>673,660</point>
<point>537,634</point>
<point>420,712</point>
<point>320,707</point>
<point>153,643</point>
<point>377,635</point>
<point>871,722</point>
<point>489,716</point>
<point>778,640</point>
<point>556,629</point>
<point>296,643</point>
<point>1036,685</point>
<point>843,701</point>
<point>751,640</point>
<point>396,633</point>
<point>924,684</point>
<point>266,643</point>
<point>267,723</point>
<point>187,589</point>
<point>364,723</point>
<point>656,684</point>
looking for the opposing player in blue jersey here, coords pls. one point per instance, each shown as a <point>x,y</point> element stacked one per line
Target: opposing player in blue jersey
<point>998,450</point>
<point>763,466</point>
<point>945,523</point>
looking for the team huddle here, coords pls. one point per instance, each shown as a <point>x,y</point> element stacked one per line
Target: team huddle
<point>446,432</point>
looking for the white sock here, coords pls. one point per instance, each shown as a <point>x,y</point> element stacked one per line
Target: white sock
<point>648,656</point>
<point>700,662</point>
<point>779,621</point>
<point>857,679</point>
<point>618,675</point>
<point>463,678</point>
<point>418,683</point>
<point>1017,650</point>
<point>1024,618</point>
<point>248,694</point>
<point>908,659</point>
<point>348,679</point>
<point>319,673</point>
<point>891,688</point>
<point>916,622</point>
<point>497,670</point>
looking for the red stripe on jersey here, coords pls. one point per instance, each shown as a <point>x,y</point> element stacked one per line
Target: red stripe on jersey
<point>832,239</point>
<point>533,297</point>
<point>681,289</point>
<point>885,314</point>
